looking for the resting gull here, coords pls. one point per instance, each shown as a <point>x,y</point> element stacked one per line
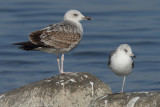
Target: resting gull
<point>121,62</point>
<point>57,38</point>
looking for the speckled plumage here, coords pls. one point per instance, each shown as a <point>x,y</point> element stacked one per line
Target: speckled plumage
<point>57,38</point>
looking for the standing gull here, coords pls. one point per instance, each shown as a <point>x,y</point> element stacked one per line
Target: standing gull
<point>57,38</point>
<point>120,61</point>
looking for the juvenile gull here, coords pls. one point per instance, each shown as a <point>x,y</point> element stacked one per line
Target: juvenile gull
<point>120,61</point>
<point>57,38</point>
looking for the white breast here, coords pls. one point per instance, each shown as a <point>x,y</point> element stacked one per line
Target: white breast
<point>121,64</point>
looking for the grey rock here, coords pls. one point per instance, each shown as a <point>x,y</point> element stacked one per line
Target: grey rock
<point>68,90</point>
<point>135,99</point>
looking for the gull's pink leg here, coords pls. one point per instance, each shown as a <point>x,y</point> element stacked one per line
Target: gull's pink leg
<point>123,84</point>
<point>58,61</point>
<point>62,60</point>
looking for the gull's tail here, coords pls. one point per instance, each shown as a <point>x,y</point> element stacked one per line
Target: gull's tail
<point>28,46</point>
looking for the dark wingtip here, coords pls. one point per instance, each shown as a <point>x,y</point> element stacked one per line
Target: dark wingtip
<point>27,48</point>
<point>26,45</point>
<point>21,43</point>
<point>15,43</point>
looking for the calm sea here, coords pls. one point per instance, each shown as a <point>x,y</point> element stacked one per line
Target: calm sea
<point>136,22</point>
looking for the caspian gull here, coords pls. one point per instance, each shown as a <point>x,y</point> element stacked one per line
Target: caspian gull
<point>57,38</point>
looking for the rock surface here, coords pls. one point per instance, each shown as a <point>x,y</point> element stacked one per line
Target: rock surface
<point>75,90</point>
<point>135,99</point>
<point>69,90</point>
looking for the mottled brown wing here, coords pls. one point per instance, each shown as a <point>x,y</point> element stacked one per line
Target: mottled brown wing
<point>58,36</point>
<point>34,37</point>
<point>60,39</point>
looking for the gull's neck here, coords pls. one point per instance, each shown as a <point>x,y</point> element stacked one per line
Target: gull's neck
<point>77,23</point>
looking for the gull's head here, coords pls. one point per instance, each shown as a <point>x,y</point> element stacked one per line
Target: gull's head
<point>126,49</point>
<point>75,16</point>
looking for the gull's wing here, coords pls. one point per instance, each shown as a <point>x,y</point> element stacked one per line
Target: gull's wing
<point>57,36</point>
<point>110,55</point>
<point>133,64</point>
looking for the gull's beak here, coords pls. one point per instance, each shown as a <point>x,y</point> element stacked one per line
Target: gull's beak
<point>87,18</point>
<point>132,55</point>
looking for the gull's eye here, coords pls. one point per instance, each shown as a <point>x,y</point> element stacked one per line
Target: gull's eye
<point>75,14</point>
<point>125,50</point>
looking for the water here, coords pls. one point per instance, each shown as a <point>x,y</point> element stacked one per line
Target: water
<point>115,22</point>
